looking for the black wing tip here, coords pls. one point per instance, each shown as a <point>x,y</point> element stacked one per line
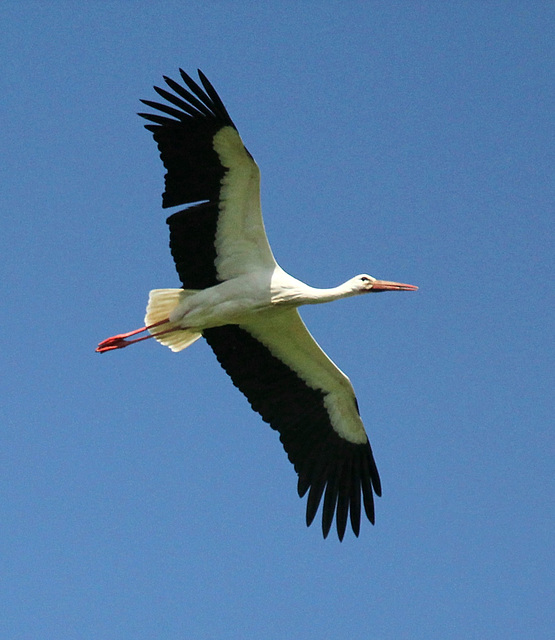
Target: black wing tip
<point>356,475</point>
<point>195,101</point>
<point>326,463</point>
<point>187,78</point>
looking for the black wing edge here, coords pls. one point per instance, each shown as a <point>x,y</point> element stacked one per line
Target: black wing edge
<point>327,465</point>
<point>202,102</point>
<point>184,130</point>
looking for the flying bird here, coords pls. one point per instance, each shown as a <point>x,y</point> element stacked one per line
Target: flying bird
<point>236,296</point>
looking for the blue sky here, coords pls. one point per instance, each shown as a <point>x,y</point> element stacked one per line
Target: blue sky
<point>140,496</point>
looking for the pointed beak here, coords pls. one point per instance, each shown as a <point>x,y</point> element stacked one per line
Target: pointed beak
<point>385,285</point>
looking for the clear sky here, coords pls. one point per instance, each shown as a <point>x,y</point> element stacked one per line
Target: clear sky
<point>141,497</point>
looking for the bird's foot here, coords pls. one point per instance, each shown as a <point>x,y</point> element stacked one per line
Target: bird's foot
<point>119,341</point>
<point>115,342</point>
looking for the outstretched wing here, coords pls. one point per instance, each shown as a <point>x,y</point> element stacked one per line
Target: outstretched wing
<point>221,233</point>
<point>299,391</point>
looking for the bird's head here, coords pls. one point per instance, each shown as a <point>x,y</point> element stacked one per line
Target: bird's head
<point>364,283</point>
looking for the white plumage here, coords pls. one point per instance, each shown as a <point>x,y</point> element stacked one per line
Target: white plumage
<point>236,296</point>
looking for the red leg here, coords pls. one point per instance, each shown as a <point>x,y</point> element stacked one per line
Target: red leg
<point>119,341</point>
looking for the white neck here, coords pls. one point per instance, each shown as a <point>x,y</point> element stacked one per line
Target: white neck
<point>289,290</point>
<point>316,296</point>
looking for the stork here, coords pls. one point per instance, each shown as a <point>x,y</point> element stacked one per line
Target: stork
<point>236,296</point>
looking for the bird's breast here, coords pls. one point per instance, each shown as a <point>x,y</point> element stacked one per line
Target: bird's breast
<point>231,302</point>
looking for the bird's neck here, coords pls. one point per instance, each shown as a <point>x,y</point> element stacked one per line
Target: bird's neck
<point>303,294</point>
<point>290,291</point>
<point>317,296</point>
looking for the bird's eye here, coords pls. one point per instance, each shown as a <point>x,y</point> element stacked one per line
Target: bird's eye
<point>365,279</point>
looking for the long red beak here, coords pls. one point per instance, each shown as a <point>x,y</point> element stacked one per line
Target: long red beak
<point>385,285</point>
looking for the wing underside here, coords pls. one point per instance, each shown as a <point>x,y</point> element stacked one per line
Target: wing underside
<point>221,233</point>
<point>301,410</point>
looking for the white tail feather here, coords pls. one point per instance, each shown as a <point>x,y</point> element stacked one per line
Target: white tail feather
<point>161,302</point>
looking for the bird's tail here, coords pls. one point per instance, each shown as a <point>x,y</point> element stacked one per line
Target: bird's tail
<point>161,302</point>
